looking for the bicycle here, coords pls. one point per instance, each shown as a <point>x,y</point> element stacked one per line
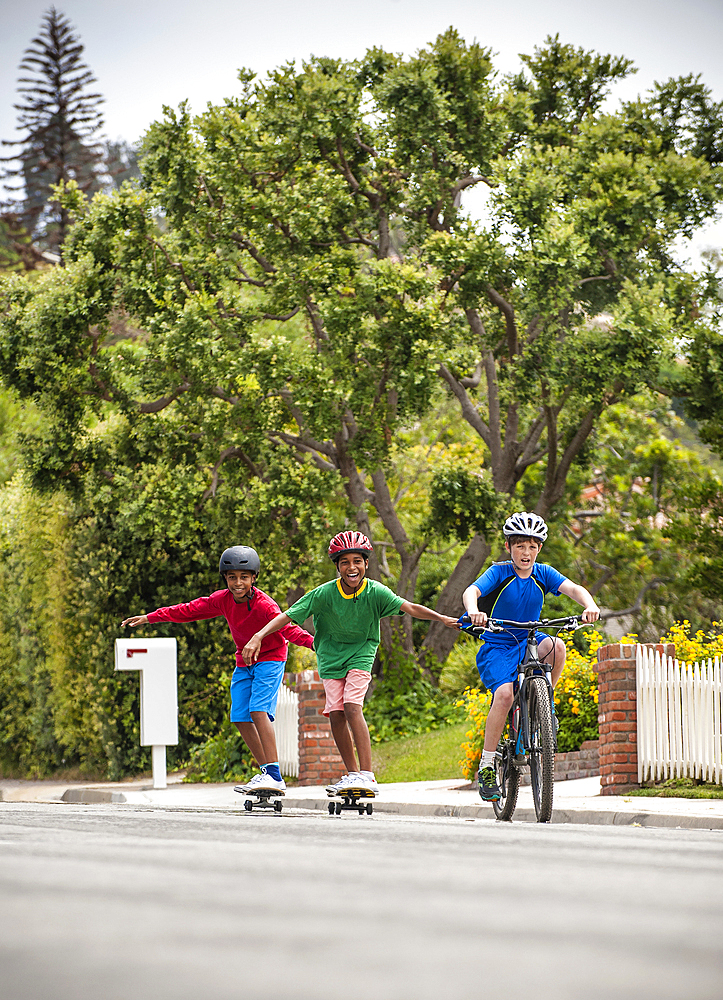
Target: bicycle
<point>531,739</point>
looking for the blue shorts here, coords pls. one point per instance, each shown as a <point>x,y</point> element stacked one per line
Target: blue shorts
<point>499,657</point>
<point>256,689</point>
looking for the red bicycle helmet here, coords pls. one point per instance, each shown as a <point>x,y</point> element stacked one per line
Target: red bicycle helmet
<point>349,541</point>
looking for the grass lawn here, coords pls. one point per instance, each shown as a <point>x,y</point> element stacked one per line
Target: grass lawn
<point>681,788</point>
<point>428,757</point>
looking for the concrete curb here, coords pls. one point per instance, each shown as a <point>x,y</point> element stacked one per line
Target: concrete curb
<point>581,817</point>
<point>92,795</point>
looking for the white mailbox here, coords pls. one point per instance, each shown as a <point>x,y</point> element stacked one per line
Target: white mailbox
<point>156,661</point>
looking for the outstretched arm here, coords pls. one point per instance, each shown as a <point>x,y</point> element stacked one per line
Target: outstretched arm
<point>199,609</point>
<point>584,598</point>
<point>135,620</point>
<point>419,611</point>
<point>250,652</point>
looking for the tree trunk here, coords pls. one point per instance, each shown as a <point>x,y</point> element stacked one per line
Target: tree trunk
<point>440,639</point>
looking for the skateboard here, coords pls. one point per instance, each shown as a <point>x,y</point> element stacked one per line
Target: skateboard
<point>263,798</point>
<point>350,800</point>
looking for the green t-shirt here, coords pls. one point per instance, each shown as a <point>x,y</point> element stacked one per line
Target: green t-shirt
<point>346,626</point>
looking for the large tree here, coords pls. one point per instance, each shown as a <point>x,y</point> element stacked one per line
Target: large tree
<point>59,118</point>
<point>318,285</point>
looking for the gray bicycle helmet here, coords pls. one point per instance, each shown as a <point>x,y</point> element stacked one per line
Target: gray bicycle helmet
<point>239,557</point>
<point>528,524</point>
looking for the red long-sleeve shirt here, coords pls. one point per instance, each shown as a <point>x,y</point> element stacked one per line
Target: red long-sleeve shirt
<point>242,620</point>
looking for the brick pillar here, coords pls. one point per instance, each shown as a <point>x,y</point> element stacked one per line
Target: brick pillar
<point>319,760</point>
<point>617,717</point>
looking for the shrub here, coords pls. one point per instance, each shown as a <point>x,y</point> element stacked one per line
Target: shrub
<point>476,704</point>
<point>460,668</point>
<point>300,658</point>
<point>576,695</point>
<point>700,646</point>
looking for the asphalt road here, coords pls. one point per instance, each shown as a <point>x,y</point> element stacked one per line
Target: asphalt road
<point>126,903</point>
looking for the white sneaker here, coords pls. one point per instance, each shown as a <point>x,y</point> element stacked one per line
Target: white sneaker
<point>347,782</point>
<point>332,788</point>
<point>261,782</point>
<point>366,787</point>
<point>371,784</point>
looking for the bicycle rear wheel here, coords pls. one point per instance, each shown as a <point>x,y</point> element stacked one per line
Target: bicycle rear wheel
<point>508,778</point>
<point>542,748</point>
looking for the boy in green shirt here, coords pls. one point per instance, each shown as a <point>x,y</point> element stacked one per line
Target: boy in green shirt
<point>346,614</point>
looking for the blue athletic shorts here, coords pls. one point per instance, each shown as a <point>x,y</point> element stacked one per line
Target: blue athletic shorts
<point>499,657</point>
<point>256,689</point>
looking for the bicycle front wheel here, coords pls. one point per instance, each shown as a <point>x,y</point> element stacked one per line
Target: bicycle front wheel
<point>508,779</point>
<point>542,748</point>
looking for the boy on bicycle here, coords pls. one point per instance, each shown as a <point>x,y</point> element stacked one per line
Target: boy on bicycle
<point>346,614</point>
<point>254,689</point>
<point>515,590</point>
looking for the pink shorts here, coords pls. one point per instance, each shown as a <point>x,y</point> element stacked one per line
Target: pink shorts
<point>350,689</point>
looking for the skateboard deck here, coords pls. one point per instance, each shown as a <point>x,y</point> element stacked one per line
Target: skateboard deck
<point>357,799</point>
<point>261,798</point>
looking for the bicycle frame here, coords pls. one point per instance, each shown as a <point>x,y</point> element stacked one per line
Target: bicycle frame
<point>531,666</point>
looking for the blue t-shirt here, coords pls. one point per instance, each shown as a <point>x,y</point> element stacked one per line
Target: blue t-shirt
<point>504,595</point>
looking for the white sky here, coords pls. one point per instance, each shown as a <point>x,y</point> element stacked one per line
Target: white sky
<point>146,53</point>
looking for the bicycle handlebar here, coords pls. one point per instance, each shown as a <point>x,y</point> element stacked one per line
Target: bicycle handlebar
<point>500,624</point>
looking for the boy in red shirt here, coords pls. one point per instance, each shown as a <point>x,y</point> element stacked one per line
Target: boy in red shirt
<point>254,688</point>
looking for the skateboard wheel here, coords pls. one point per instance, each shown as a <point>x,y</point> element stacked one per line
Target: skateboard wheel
<point>278,806</point>
<point>331,808</point>
<point>338,809</point>
<point>361,810</point>
<point>370,808</point>
<point>248,805</point>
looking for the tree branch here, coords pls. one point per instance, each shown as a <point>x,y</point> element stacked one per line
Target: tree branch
<point>312,312</point>
<point>597,277</point>
<point>299,445</point>
<point>474,380</point>
<point>509,313</point>
<point>282,319</point>
<point>325,447</point>
<point>174,264</point>
<point>227,453</point>
<point>469,411</point>
<point>256,254</point>
<point>637,607</point>
<point>164,401</point>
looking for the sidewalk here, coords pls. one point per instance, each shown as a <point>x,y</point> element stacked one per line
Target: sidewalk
<point>577,801</point>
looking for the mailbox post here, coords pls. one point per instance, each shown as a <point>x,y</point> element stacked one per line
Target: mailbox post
<point>155,659</point>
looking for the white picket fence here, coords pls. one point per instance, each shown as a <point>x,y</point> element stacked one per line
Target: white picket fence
<point>286,725</point>
<point>680,718</point>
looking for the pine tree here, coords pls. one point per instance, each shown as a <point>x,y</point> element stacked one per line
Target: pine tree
<point>59,119</point>
<point>121,162</point>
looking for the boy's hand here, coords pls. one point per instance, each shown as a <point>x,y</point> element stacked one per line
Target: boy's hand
<point>250,652</point>
<point>135,620</point>
<point>477,617</point>
<point>450,622</point>
<point>591,614</point>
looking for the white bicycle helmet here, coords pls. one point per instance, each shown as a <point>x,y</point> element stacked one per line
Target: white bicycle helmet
<point>527,524</point>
